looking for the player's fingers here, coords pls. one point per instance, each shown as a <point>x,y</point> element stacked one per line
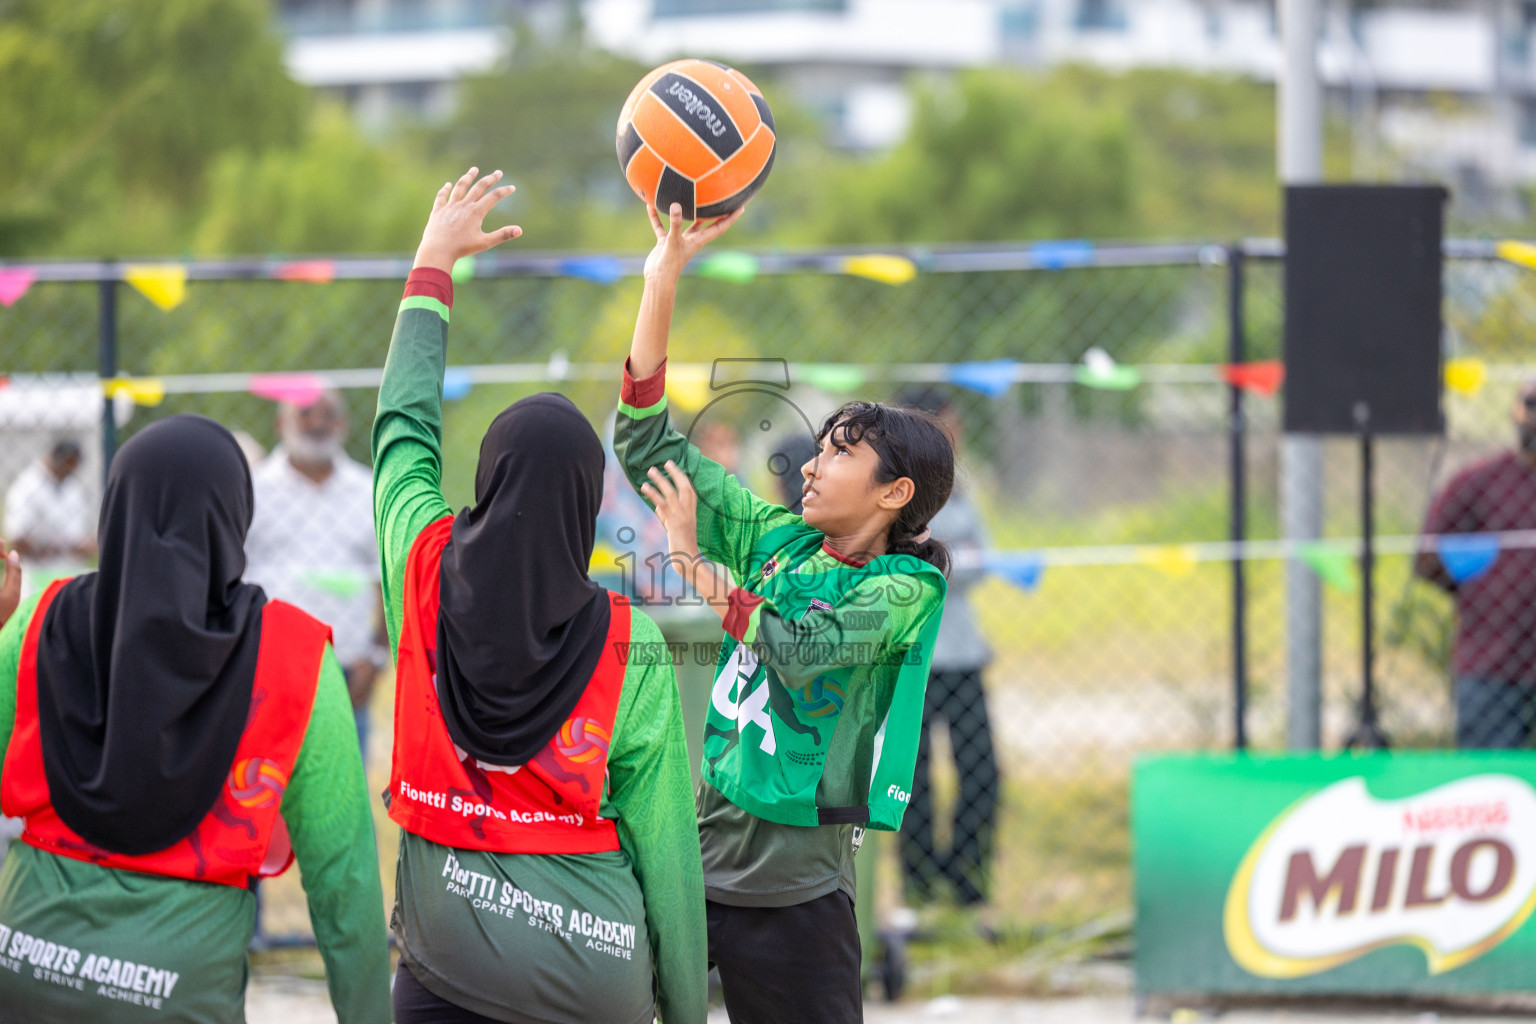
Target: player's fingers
<point>661,232</point>
<point>679,479</point>
<point>662,484</point>
<point>491,239</point>
<point>442,196</point>
<point>676,215</point>
<point>655,497</point>
<point>462,185</point>
<point>480,187</point>
<point>495,196</point>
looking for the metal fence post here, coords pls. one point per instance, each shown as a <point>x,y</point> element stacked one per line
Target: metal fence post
<point>106,359</point>
<point>1237,429</point>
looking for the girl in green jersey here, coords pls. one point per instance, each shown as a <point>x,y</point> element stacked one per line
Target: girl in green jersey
<point>829,616</point>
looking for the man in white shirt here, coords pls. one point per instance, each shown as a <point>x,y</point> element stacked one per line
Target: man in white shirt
<point>312,544</point>
<point>50,518</point>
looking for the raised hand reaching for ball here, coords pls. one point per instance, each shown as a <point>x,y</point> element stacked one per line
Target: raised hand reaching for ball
<point>675,245</point>
<point>455,228</point>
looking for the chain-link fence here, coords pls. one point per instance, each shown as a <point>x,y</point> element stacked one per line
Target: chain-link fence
<point>1094,390</point>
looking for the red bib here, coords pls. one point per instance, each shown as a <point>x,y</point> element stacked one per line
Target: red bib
<point>550,804</point>
<point>242,837</point>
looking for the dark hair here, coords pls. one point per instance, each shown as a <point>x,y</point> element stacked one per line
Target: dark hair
<point>65,448</point>
<point>910,444</point>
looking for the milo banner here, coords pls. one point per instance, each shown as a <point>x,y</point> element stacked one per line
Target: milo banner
<point>1376,873</point>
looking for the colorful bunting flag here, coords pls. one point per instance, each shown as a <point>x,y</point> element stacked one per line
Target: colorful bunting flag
<point>725,265</point>
<point>1520,253</point>
<point>1262,378</point>
<point>456,383</point>
<point>1465,376</point>
<point>688,386</point>
<point>164,284</point>
<point>1467,557</point>
<point>1115,378</point>
<point>1022,570</point>
<point>601,269</point>
<point>14,282</point>
<point>1063,254</point>
<point>832,376</point>
<point>1099,370</point>
<point>1177,560</point>
<point>463,269</point>
<point>1334,565</point>
<point>300,389</point>
<point>342,583</point>
<point>313,271</point>
<point>142,390</point>
<point>991,377</point>
<point>605,558</point>
<point>881,267</point>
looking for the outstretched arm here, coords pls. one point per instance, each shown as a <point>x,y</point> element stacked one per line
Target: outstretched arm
<point>407,431</point>
<point>730,518</point>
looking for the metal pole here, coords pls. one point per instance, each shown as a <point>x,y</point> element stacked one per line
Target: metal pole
<point>1237,427</point>
<point>1300,147</point>
<point>1367,734</point>
<point>106,360</point>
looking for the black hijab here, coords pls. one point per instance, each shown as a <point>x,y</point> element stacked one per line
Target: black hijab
<point>521,626</point>
<point>145,667</point>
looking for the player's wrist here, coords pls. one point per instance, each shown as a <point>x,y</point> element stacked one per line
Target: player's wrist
<point>435,257</point>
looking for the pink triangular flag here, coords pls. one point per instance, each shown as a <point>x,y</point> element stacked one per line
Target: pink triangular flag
<point>300,389</point>
<point>314,271</point>
<point>14,282</point>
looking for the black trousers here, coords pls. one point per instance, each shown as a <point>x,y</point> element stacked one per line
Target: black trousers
<point>415,1005</point>
<point>788,965</point>
<point>958,699</point>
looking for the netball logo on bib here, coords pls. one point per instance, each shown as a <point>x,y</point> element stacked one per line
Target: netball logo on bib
<point>257,782</point>
<point>582,740</point>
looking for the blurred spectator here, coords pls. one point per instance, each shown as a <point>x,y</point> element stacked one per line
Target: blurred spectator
<point>796,450</point>
<point>719,442</point>
<point>49,516</point>
<point>312,544</point>
<point>956,696</point>
<point>1495,657</point>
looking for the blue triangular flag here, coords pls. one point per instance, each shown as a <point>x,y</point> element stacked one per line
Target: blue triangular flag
<point>1060,255</point>
<point>456,383</point>
<point>1467,557</point>
<point>602,269</point>
<point>1023,570</point>
<point>992,378</point>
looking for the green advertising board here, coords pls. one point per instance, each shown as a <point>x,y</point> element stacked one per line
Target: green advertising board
<point>1396,873</point>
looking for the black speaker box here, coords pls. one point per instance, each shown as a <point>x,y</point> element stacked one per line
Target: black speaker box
<point>1362,308</point>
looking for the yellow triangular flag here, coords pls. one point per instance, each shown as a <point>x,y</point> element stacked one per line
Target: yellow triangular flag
<point>143,390</point>
<point>1173,559</point>
<point>688,386</point>
<point>882,268</point>
<point>164,284</point>
<point>1522,253</point>
<point>1465,376</point>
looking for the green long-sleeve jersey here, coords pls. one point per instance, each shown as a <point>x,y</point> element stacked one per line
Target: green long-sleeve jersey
<point>750,861</point>
<point>198,929</point>
<point>648,790</point>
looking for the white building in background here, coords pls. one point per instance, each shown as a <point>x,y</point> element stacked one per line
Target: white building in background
<point>1451,84</point>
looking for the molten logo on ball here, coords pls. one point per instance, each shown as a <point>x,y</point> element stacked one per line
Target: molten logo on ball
<point>582,740</point>
<point>257,782</point>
